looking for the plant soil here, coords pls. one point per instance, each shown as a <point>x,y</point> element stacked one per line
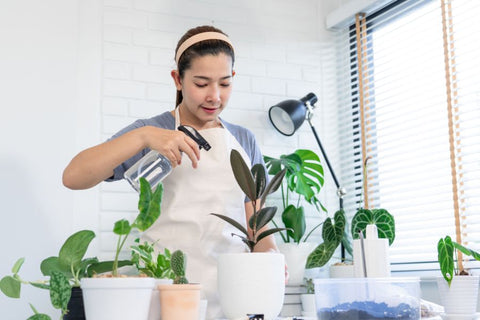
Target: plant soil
<point>369,310</point>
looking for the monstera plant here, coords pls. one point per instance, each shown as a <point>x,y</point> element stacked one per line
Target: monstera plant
<point>303,181</point>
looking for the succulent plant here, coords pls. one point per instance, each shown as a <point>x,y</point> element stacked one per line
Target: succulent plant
<point>178,264</point>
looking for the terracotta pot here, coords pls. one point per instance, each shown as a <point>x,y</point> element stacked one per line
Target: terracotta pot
<point>179,301</point>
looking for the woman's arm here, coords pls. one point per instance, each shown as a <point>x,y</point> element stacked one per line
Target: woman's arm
<point>95,164</point>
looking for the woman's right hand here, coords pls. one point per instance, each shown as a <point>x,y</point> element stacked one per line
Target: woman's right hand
<point>171,144</point>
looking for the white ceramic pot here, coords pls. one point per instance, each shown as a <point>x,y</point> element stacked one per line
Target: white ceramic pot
<point>295,257</point>
<point>117,298</point>
<point>462,295</point>
<point>251,283</point>
<point>308,303</point>
<point>342,271</point>
<point>154,313</point>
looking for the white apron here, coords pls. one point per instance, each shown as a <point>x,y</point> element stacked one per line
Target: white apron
<point>185,223</point>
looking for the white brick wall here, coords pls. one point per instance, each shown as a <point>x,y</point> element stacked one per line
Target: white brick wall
<point>279,56</point>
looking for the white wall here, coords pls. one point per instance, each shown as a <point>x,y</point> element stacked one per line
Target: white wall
<point>73,72</point>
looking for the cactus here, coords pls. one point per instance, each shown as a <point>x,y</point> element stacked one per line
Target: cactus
<point>178,263</point>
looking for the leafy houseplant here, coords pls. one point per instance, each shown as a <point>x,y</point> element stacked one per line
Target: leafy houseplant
<point>147,263</point>
<point>63,271</point>
<point>240,273</point>
<point>253,184</point>
<point>304,177</point>
<point>446,249</point>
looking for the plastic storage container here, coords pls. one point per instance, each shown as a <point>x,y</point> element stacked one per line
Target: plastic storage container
<point>368,298</point>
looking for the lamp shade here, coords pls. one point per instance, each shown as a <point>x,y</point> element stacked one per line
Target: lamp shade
<point>287,116</point>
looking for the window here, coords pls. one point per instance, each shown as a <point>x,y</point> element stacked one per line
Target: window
<point>411,105</point>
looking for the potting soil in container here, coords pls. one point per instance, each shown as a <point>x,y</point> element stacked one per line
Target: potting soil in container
<point>369,310</point>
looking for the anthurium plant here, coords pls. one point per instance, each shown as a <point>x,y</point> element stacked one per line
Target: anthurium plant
<point>254,184</point>
<point>446,249</point>
<point>149,211</point>
<point>63,272</point>
<point>304,179</point>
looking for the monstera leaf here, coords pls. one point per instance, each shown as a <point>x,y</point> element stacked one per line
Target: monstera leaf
<point>380,217</point>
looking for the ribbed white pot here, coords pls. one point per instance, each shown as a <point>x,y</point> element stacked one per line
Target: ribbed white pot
<point>251,283</point>
<point>295,257</point>
<point>462,295</point>
<point>117,298</point>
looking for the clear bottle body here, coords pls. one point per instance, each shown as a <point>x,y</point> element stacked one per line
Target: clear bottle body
<point>154,167</point>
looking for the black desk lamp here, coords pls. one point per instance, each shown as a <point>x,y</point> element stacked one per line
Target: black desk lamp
<point>287,116</point>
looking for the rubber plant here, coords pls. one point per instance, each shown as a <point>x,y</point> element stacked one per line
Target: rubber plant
<point>63,272</point>
<point>446,249</point>
<point>304,177</point>
<point>254,184</point>
<point>149,211</point>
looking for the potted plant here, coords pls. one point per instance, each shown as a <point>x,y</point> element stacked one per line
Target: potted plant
<point>303,180</point>
<point>63,273</point>
<point>308,299</point>
<point>252,282</point>
<point>111,295</point>
<point>180,300</point>
<point>458,289</point>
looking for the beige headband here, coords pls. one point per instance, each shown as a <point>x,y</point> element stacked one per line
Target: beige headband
<point>211,35</point>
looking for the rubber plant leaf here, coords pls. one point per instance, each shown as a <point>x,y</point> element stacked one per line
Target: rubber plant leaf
<point>380,217</point>
<point>273,186</point>
<point>262,217</point>
<point>60,290</point>
<point>149,205</point>
<point>294,218</point>
<point>74,248</point>
<point>321,255</point>
<point>232,222</point>
<point>10,286</point>
<point>268,232</point>
<point>242,174</point>
<point>445,258</point>
<point>259,176</point>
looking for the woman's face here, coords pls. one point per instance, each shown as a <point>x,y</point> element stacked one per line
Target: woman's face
<point>206,88</point>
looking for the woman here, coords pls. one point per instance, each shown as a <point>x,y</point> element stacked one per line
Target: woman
<point>203,78</point>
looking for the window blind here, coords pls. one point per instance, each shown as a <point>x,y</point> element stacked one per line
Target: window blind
<point>409,102</point>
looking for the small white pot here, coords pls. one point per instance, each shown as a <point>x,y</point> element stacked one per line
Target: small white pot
<point>342,271</point>
<point>117,298</point>
<point>251,283</point>
<point>308,303</point>
<point>462,295</point>
<point>295,257</point>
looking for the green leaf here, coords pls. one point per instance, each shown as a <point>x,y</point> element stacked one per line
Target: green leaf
<point>10,287</point>
<point>243,176</point>
<point>294,219</point>
<point>40,285</point>
<point>18,264</point>
<point>149,206</point>
<point>60,290</point>
<point>380,217</point>
<point>273,186</point>
<point>321,255</point>
<point>122,227</point>
<point>232,222</point>
<point>268,232</point>
<point>445,258</point>
<point>466,251</point>
<point>38,316</point>
<point>258,173</point>
<point>51,264</point>
<point>105,266</point>
<point>263,217</point>
<point>74,248</point>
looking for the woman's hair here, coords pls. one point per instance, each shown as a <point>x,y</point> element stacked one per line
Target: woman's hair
<point>200,49</point>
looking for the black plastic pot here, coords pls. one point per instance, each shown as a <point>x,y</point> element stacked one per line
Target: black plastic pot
<point>76,311</point>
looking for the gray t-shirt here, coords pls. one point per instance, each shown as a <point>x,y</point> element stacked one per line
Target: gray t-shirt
<point>166,121</point>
